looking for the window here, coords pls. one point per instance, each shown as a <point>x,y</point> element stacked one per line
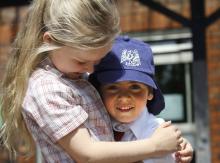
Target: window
<point>173,80</point>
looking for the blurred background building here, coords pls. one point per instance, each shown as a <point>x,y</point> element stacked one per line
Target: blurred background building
<point>185,38</point>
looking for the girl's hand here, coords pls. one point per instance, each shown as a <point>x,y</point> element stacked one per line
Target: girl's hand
<point>184,155</point>
<point>167,139</point>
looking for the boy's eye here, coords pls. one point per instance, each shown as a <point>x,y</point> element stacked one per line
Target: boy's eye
<point>135,87</point>
<point>112,88</point>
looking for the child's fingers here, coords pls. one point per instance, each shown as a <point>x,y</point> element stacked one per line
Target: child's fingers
<point>184,155</point>
<point>183,144</point>
<point>185,152</point>
<point>165,124</point>
<point>183,159</point>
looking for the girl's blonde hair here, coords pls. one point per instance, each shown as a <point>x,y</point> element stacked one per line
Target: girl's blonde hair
<point>82,24</point>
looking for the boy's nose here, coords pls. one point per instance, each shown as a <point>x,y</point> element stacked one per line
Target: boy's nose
<point>123,96</point>
<point>123,100</point>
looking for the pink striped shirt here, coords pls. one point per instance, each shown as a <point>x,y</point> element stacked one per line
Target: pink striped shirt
<point>54,106</point>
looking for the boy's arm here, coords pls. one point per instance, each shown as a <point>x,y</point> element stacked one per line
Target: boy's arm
<point>82,148</point>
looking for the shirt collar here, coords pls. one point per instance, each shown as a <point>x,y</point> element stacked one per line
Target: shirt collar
<point>48,66</point>
<point>136,127</point>
<point>145,125</point>
<point>140,124</point>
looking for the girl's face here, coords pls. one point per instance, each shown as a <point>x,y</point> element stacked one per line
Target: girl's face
<point>125,100</point>
<point>74,62</point>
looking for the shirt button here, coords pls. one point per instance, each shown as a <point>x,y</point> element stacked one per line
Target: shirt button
<point>47,67</point>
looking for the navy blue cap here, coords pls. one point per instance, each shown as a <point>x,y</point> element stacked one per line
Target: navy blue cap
<point>130,60</point>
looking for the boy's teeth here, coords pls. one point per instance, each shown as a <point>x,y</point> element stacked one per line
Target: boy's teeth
<point>124,108</point>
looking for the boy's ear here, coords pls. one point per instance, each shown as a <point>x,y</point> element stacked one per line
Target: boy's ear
<point>150,96</point>
<point>150,93</point>
<point>47,37</point>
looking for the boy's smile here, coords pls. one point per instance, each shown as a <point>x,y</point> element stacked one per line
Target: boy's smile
<point>125,108</point>
<point>125,100</point>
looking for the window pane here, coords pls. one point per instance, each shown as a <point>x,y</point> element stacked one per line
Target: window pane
<point>171,79</point>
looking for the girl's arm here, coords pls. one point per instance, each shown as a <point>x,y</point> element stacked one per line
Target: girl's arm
<point>82,148</point>
<point>185,154</point>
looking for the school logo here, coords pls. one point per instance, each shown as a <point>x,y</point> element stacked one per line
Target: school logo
<point>130,57</point>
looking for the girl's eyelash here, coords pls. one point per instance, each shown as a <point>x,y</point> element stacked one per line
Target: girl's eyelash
<point>82,63</point>
<point>112,87</point>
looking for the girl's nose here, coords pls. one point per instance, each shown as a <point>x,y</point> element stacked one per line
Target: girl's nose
<point>90,68</point>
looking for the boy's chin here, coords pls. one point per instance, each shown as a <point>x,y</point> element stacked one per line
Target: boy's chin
<point>125,120</point>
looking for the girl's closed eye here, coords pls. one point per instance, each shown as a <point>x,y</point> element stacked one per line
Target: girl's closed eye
<point>81,62</point>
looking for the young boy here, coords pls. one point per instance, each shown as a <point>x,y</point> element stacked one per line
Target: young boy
<point>125,80</point>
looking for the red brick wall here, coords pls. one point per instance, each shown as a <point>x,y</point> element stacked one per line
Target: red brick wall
<point>213,61</point>
<point>135,17</point>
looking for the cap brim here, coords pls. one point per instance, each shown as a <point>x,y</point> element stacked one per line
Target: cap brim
<point>157,104</point>
<point>125,75</point>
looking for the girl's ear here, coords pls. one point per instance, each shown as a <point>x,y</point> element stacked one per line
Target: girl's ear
<point>47,37</point>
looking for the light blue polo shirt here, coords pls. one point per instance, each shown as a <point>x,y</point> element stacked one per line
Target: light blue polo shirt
<point>143,127</point>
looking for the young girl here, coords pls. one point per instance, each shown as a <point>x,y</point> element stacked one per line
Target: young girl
<point>46,99</point>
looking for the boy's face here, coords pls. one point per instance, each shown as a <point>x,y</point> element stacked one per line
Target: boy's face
<point>125,100</point>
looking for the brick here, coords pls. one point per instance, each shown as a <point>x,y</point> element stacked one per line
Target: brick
<point>215,102</point>
<point>214,113</point>
<point>213,52</point>
<point>212,78</point>
<point>213,65</point>
<point>4,52</point>
<point>175,6</point>
<point>214,90</point>
<point>215,26</point>
<point>215,147</point>
<point>213,37</point>
<point>216,120</point>
<point>214,59</point>
<point>23,11</point>
<point>213,108</point>
<point>186,9</point>
<point>158,21</point>
<point>211,6</point>
<point>138,23</point>
<point>5,34</point>
<point>213,127</point>
<point>124,23</point>
<point>7,15</point>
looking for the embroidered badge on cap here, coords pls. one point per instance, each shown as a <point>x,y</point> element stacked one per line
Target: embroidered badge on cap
<point>130,57</point>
